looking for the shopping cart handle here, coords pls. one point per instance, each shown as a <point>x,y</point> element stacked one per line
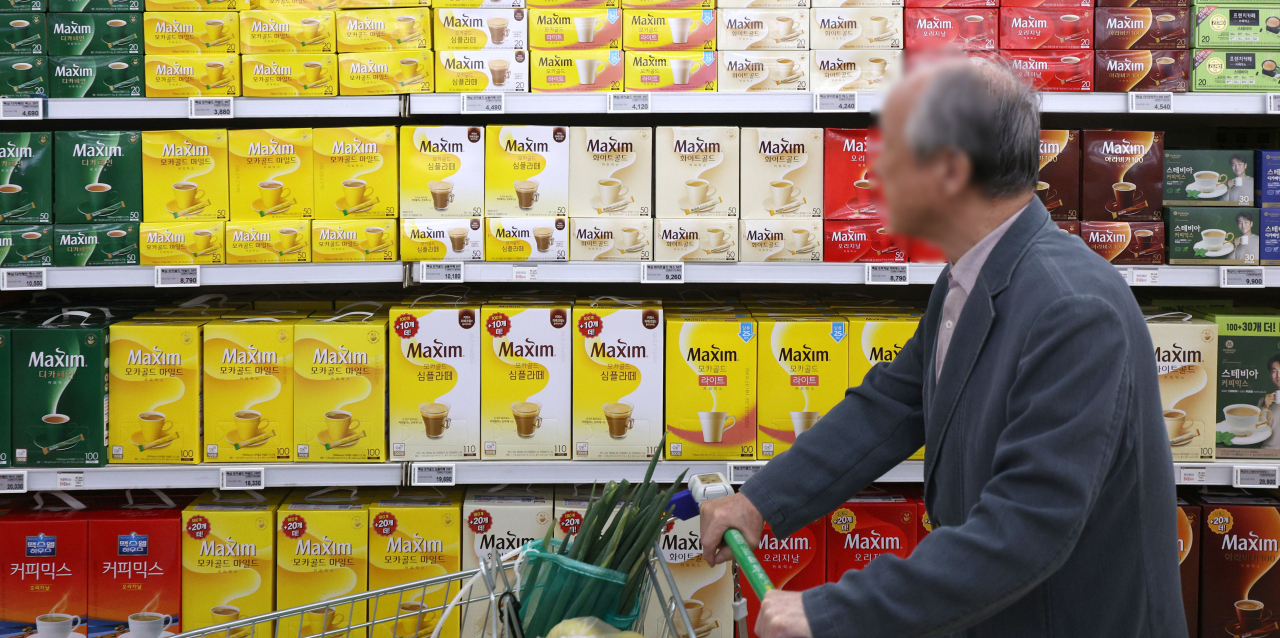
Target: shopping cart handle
<point>705,487</point>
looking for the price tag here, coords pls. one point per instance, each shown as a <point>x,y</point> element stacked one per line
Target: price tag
<point>524,273</point>
<point>740,472</point>
<point>487,103</point>
<point>431,474</point>
<point>177,276</point>
<point>1144,277</point>
<point>242,478</point>
<point>13,482</point>
<point>201,108</point>
<point>628,103</point>
<point>1241,277</point>
<point>662,273</point>
<point>71,480</point>
<point>431,271</point>
<point>1273,103</point>
<point>22,109</point>
<point>835,102</point>
<point>887,274</point>
<point>23,279</point>
<point>1140,102</point>
<point>1255,476</point>
<point>1197,475</point>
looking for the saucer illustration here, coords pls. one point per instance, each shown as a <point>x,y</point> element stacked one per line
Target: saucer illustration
<point>136,439</point>
<point>1216,192</point>
<point>1226,249</point>
<point>1263,433</point>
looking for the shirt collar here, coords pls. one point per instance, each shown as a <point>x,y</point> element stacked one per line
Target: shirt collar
<point>964,272</point>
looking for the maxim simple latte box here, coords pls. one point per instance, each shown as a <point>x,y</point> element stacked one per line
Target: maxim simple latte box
<point>526,239</point>
<point>442,240</point>
<point>441,172</point>
<point>476,29</point>
<point>527,171</point>
<point>527,372</point>
<point>434,381</point>
<point>482,71</point>
<point>617,379</point>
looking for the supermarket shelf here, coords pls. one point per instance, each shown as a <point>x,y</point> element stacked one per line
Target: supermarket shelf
<point>694,273</point>
<point>587,471</point>
<point>245,107</point>
<point>231,275</point>
<point>119,477</point>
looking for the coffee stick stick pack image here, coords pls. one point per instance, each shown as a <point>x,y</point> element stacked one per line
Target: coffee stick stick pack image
<point>434,374</point>
<point>272,174</point>
<point>617,379</point>
<point>322,553</point>
<point>414,534</point>
<point>248,390</point>
<point>184,177</point>
<point>804,369</point>
<point>526,363</point>
<point>155,386</point>
<point>356,174</point>
<point>442,172</point>
<point>340,388</point>
<point>711,381</point>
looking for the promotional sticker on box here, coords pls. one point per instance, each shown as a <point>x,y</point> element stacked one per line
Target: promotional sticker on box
<point>289,74</point>
<point>480,29</point>
<point>1247,368</point>
<point>610,172</point>
<point>560,29</point>
<point>442,240</point>
<point>193,75</point>
<point>287,32</point>
<point>867,526</point>
<point>711,240</point>
<point>269,241</point>
<point>181,32</point>
<point>334,521</point>
<point>1051,70</point>
<point>482,71</point>
<point>26,178</point>
<point>852,70</point>
<point>1058,183</point>
<point>402,29</point>
<point>967,29</point>
<point>184,242</point>
<point>1117,28</point>
<point>711,372</point>
<point>184,177</point>
<point>576,71</point>
<point>24,76</point>
<point>1208,178</point>
<point>743,71</point>
<point>670,71</point>
<point>527,368</point>
<point>77,76</point>
<point>496,521</point>
<point>414,534</point>
<point>856,28</point>
<point>1124,71</point>
<point>155,391</point>
<point>248,390</point>
<point>434,379</point>
<point>271,174</point>
<point>441,172</point>
<point>527,171</point>
<point>617,379</point>
<point>702,159</point>
<point>1213,236</point>
<point>1046,28</point>
<point>610,239</point>
<point>94,33</point>
<point>529,239</point>
<point>781,173</point>
<point>763,29</point>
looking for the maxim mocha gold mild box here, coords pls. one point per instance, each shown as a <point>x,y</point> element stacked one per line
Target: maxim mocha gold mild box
<point>248,390</point>
<point>442,240</point>
<point>322,553</point>
<point>155,387</point>
<point>164,243</point>
<point>496,521</point>
<point>356,172</point>
<point>340,388</point>
<point>289,74</point>
<point>610,172</point>
<point>354,240</point>
<point>804,370</point>
<point>287,32</point>
<point>169,75</point>
<point>617,379</point>
<point>414,534</point>
<point>711,378</point>
<point>434,378</point>
<point>386,72</point>
<point>271,174</point>
<point>1186,352</point>
<point>400,29</point>
<point>781,173</point>
<point>527,171</point>
<point>527,368</point>
<point>185,32</point>
<point>184,176</point>
<point>697,172</point>
<point>269,241</point>
<point>441,172</point>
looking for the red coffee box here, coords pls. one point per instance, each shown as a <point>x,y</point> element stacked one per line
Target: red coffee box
<point>1046,3</point>
<point>1053,71</point>
<point>862,240</point>
<point>1189,561</point>
<point>968,29</point>
<point>951,4</point>
<point>1122,176</point>
<point>866,526</point>
<point>1046,28</point>
<point>847,185</point>
<point>922,252</point>
<point>795,563</point>
<point>1164,70</point>
<point>1238,550</point>
<point>135,566</point>
<point>1070,228</point>
<point>1140,3</point>
<point>44,546</point>
<point>1058,186</point>
<point>1125,243</point>
<point>1126,28</point>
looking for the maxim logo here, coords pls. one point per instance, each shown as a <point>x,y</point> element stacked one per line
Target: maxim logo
<point>677,543</point>
<point>228,548</point>
<point>553,20</point>
<point>434,350</point>
<point>59,359</point>
<point>846,23</point>
<point>1125,65</point>
<point>642,61</point>
<point>1178,355</point>
<point>763,235</point>
<point>13,151</point>
<point>415,545</point>
<point>781,147</point>
<point>554,61</point>
<point>804,354</point>
<point>1107,237</point>
<point>334,233</point>
<point>1030,65</point>
<point>515,233</point>
<point>528,350</point>
<point>186,149</point>
<point>157,358</point>
<point>252,355</point>
<point>880,354</point>
<point>322,547</point>
<point>678,234</point>
<point>872,541</point>
<point>1050,148</point>
<point>174,69</point>
<point>73,71</point>
<point>414,233</point>
<point>1030,23</point>
<point>272,68</point>
<point>735,23</point>
<point>5,242</point>
<point>341,356</point>
<point>270,147</point>
<point>461,22</point>
<point>770,542</point>
<point>1121,23</point>
<point>250,235</point>
<point>735,65</point>
<point>848,235</point>
<point>503,543</point>
<point>647,21</point>
<point>925,23</point>
<point>270,26</point>
<point>619,351</point>
<point>78,239</point>
<point>714,354</point>
<point>442,146</point>
<point>97,149</point>
<point>527,146</point>
<point>840,65</point>
<point>610,146</point>
<point>1234,543</point>
<point>357,24</point>
<point>168,27</point>
<point>696,145</point>
<point>855,146</point>
<point>368,67</point>
<point>71,28</point>
<point>593,234</point>
<point>1123,148</point>
<point>458,64</point>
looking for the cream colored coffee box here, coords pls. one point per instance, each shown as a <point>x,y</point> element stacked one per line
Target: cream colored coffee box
<point>184,175</point>
<point>400,29</point>
<point>434,377</point>
<point>617,379</point>
<point>536,239</point>
<point>669,29</point>
<point>833,71</point>
<point>287,32</point>
<point>710,387</point>
<point>595,70</point>
<point>441,172</point>
<point>353,240</point>
<point>187,32</point>
<point>767,4</point>
<point>495,522</point>
<point>610,239</point>
<point>177,243</point>
<point>781,240</point>
<point>712,240</point>
<point>169,75</point>
<point>764,29</point>
<point>442,240</point>
<point>414,534</point>
<point>1186,354</point>
<point>248,390</point>
<point>856,28</point>
<point>289,74</point>
<point>743,71</point>
<point>293,5</point>
<point>782,173</point>
<point>478,4</point>
<point>610,172</point>
<point>696,172</point>
<point>526,171</point>
<point>482,71</point>
<point>340,388</point>
<point>670,71</point>
<point>571,506</point>
<point>356,173</point>
<point>322,553</point>
<point>572,29</point>
<point>270,241</point>
<point>477,29</point>
<point>271,174</point>
<point>374,4</point>
<point>229,558</point>
<point>154,373</point>
<point>804,370</point>
<point>527,371</point>
<point>386,72</point>
<point>707,592</point>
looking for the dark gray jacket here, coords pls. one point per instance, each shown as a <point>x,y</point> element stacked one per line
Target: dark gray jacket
<point>1047,468</point>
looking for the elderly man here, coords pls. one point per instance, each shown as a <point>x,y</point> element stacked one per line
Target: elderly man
<point>1032,386</point>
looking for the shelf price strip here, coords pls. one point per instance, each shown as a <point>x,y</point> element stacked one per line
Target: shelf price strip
<point>1241,277</point>
<point>486,103</point>
<point>888,274</point>
<point>242,478</point>
<point>210,108</point>
<point>1273,103</point>
<point>835,102</point>
<point>524,273</point>
<point>445,271</point>
<point>23,279</point>
<point>71,480</point>
<point>431,474</point>
<point>662,273</point>
<point>22,109</point>
<point>628,103</point>
<point>13,482</point>
<point>1255,476</point>
<point>740,472</point>
<point>1140,102</point>
<point>177,276</point>
<point>1144,277</point>
<point>1194,475</point>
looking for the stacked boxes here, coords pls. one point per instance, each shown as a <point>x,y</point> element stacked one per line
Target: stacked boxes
<point>670,46</point>
<point>526,193</point>
<point>610,194</point>
<point>482,49</point>
<point>852,231</point>
<point>697,201</point>
<point>576,49</point>
<point>1237,47</point>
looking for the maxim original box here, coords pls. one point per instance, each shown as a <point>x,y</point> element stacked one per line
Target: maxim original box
<point>862,238</point>
<point>1213,236</point>
<point>1052,70</point>
<point>1124,71</point>
<point>971,29</point>
<point>1046,28</point>
<point>847,186</point>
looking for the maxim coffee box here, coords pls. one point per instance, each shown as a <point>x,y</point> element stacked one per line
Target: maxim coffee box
<point>804,369</point>
<point>697,172</point>
<point>965,28</point>
<point>1213,236</point>
<point>610,239</point>
<point>1123,175</point>
<point>1189,543</point>
<point>748,71</point>
<point>866,526</point>
<point>527,239</point>
<point>414,534</point>
<point>852,70</point>
<point>1124,71</point>
<point>665,71</point>
<point>92,33</point>
<point>527,373</point>
<point>670,30</point>
<point>754,29</point>
<point>98,176</point>
<point>795,563</point>
<point>781,173</point>
<point>864,239</point>
<point>1186,354</point>
<point>1058,185</point>
<point>1126,243</point>
<point>610,171</point>
<point>617,379</point>
<point>527,171</point>
<point>26,170</point>
<point>711,393</point>
<point>1053,70</point>
<point>1247,361</point>
<point>712,240</point>
<point>441,172</point>
<point>96,244</point>
<point>856,28</point>
<point>442,240</point>
<point>561,29</point>
<point>1238,535</point>
<point>847,184</point>
<point>1121,28</point>
<point>781,239</point>
<point>96,76</point>
<point>1046,28</point>
<point>24,76</point>
<point>1208,178</point>
<point>497,520</point>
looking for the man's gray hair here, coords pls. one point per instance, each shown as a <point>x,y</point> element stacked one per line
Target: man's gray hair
<point>980,109</point>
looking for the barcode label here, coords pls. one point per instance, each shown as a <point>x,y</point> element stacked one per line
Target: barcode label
<point>177,276</point>
<point>13,482</point>
<point>199,108</point>
<point>1193,475</point>
<point>431,474</point>
<point>662,273</point>
<point>23,279</point>
<point>71,480</point>
<point>887,274</point>
<point>432,271</point>
<point>242,478</point>
<point>524,273</point>
<point>1145,277</point>
<point>486,103</point>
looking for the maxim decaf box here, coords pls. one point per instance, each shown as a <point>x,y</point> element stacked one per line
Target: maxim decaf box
<point>527,368</point>
<point>1239,536</point>
<point>340,388</point>
<point>707,591</point>
<point>795,563</point>
<point>441,172</point>
<point>476,29</point>
<point>171,75</point>
<point>763,71</point>
<point>272,174</point>
<point>184,177</point>
<point>496,521</point>
<point>482,71</point>
<point>269,241</point>
<point>1058,185</point>
<point>712,240</point>
<point>442,240</point>
<point>434,379</point>
<point>854,70</point>
<point>354,240</point>
<point>399,29</point>
<point>697,172</point>
<point>27,34</point>
<point>665,71</point>
<point>135,559</point>
<point>98,176</point>
<point>669,29</point>
<point>26,246</point>
<point>526,239</point>
<point>155,388</point>
<point>248,390</point>
<point>185,33</point>
<point>414,534</point>
<point>1246,390</point>
<point>322,552</point>
<point>1123,174</point>
<point>1186,352</point>
<point>95,244</point>
<point>781,240</point>
<point>617,379</point>
<point>96,75</point>
<point>711,377</point>
<point>527,171</point>
<point>576,71</point>
<point>755,29</point>
<point>610,172</point>
<point>571,29</point>
<point>94,33</point>
<point>26,173</point>
<point>46,568</point>
<point>287,32</point>
<point>356,176</point>
<point>781,173</point>
<point>386,72</point>
<point>24,76</point>
<point>869,525</point>
<point>289,74</point>
<point>804,370</point>
<point>610,239</point>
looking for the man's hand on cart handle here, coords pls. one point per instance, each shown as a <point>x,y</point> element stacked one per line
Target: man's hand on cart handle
<point>782,616</point>
<point>722,514</point>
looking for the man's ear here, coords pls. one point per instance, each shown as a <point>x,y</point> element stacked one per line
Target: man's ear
<point>954,171</point>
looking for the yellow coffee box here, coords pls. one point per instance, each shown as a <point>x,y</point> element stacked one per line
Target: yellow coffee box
<point>287,32</point>
<point>271,174</point>
<point>669,29</point>
<point>670,71</point>
<point>334,240</point>
<point>528,239</point>
<point>228,558</point>
<point>877,339</point>
<point>213,6</point>
<point>154,374</point>
<point>270,241</point>
<point>299,303</point>
<point>482,71</point>
<point>403,29</point>
<point>668,4</point>
<point>289,74</point>
<point>442,240</point>
<point>527,171</point>
<point>184,176</point>
<point>763,29</point>
<point>478,4</point>
<point>783,239</point>
<point>193,75</point>
<point>749,71</point>
<point>377,4</point>
<point>527,371</point>
<point>617,379</point>
<point>168,243</point>
<point>714,240</point>
<point>187,32</point>
<point>248,390</point>
<point>356,172</point>
<point>414,534</point>
<point>856,28</point>
<point>476,29</point>
<point>183,313</point>
<point>804,370</point>
<point>386,72</point>
<point>610,239</point>
<point>781,173</point>
<point>598,70</point>
<point>340,388</point>
<point>571,29</point>
<point>610,171</point>
<point>441,172</point>
<point>295,5</point>
<point>322,539</point>
<point>710,387</point>
<point>434,378</point>
<point>697,171</point>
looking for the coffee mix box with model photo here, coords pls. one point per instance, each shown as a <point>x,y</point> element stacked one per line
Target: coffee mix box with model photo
<point>1058,185</point>
<point>869,525</point>
<point>610,172</point>
<point>712,371</point>
<point>269,241</point>
<point>155,391</point>
<point>185,33</point>
<point>711,240</point>
<point>617,379</point>
<point>1186,353</point>
<point>477,29</point>
<point>1222,70</point>
<point>1237,563</point>
<point>610,239</point>
<point>781,239</point>
<point>287,32</point>
<point>1126,243</point>
<point>26,178</point>
<point>340,388</point>
<point>1237,25</point>
<point>1208,178</point>
<point>442,240</point>
<point>495,521</point>
<point>46,567</point>
<point>804,369</point>
<point>781,173</point>
<point>271,174</point>
<point>1124,71</point>
<point>847,186</point>
<point>1247,354</point>
<point>25,246</point>
<point>184,177</point>
<point>1270,232</point>
<point>434,379</point>
<point>248,390</point>
<point>441,172</point>
<point>708,591</point>
<point>135,575</point>
<point>763,29</point>
<point>197,75</point>
<point>1046,28</point>
<point>527,371</point>
<point>796,563</point>
<point>482,71</point>
<point>1189,543</point>
<point>597,70</point>
<point>856,28</point>
<point>24,76</point>
<point>354,240</point>
<point>94,33</point>
<point>1117,28</point>
<point>834,71</point>
<point>697,172</point>
<point>1053,70</point>
<point>414,534</point>
<point>114,244</point>
<point>862,239</point>
<point>98,176</point>
<point>527,171</point>
<point>386,72</point>
<point>745,71</point>
<point>289,74</point>
<point>400,29</point>
<point>669,30</point>
<point>573,29</point>
<point>1123,173</point>
<point>96,76</point>
<point>670,71</point>
<point>356,176</point>
<point>970,29</point>
<point>331,522</point>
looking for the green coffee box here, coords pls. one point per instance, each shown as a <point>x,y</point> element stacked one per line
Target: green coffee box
<point>98,177</point>
<point>1248,365</point>
<point>1226,70</point>
<point>93,6</point>
<point>24,75</point>
<point>96,76</point>
<point>1208,178</point>
<point>26,178</point>
<point>23,34</point>
<point>1237,26</point>
<point>59,368</point>
<point>6,395</point>
<point>23,6</point>
<point>1218,236</point>
<point>23,246</point>
<point>95,244</point>
<point>95,33</point>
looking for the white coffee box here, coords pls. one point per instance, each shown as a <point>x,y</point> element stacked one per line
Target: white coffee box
<point>781,240</point>
<point>610,239</point>
<point>710,240</point>
<point>614,164</point>
<point>854,70</point>
<point>782,173</point>
<point>497,521</point>
<point>696,172</point>
<point>707,591</point>
<point>856,28</point>
<point>763,29</point>
<point>750,71</point>
<point>441,172</point>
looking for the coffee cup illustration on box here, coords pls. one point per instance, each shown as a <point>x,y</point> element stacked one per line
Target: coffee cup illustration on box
<point>714,425</point>
<point>784,197</point>
<point>613,195</point>
<point>699,196</point>
<point>435,418</point>
<point>618,417</point>
<point>56,625</point>
<point>526,416</point>
<point>498,71</point>
<point>250,430</point>
<point>526,193</point>
<point>340,430</point>
<point>148,624</point>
